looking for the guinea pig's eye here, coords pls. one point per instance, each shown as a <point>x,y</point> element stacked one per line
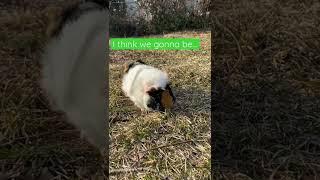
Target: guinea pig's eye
<point>152,91</point>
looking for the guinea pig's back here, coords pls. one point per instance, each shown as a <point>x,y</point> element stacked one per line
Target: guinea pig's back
<point>154,77</point>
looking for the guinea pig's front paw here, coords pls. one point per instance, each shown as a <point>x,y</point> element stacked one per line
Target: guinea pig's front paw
<point>144,111</point>
<point>141,109</point>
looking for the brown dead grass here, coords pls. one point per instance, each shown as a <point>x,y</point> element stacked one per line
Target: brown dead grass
<point>266,94</point>
<point>153,145</point>
<point>37,143</point>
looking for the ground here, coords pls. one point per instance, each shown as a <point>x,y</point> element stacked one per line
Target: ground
<point>265,100</point>
<point>37,143</point>
<point>266,89</point>
<point>156,145</point>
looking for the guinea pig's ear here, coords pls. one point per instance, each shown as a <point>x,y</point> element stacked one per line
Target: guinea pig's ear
<point>141,62</point>
<point>54,21</point>
<point>149,89</point>
<point>127,66</point>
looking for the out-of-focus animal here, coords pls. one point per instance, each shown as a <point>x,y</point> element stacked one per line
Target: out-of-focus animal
<point>74,67</point>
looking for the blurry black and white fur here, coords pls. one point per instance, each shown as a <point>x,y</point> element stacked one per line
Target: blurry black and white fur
<point>74,68</point>
<point>146,86</point>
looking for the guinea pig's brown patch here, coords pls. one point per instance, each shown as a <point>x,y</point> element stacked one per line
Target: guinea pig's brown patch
<point>126,67</point>
<point>166,99</point>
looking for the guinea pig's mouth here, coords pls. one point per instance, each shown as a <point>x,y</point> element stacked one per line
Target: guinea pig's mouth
<point>157,108</point>
<point>161,100</point>
<point>160,109</point>
<point>154,107</point>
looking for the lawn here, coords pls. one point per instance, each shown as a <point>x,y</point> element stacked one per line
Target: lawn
<point>266,89</point>
<point>37,142</point>
<point>157,145</point>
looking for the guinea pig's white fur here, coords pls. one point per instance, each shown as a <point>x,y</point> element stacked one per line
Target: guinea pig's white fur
<point>74,77</point>
<point>141,78</point>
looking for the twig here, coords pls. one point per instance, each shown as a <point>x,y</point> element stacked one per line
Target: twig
<point>126,170</point>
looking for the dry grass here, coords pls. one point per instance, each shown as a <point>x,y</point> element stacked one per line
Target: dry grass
<point>155,145</point>
<point>37,143</point>
<point>266,94</point>
<point>266,101</point>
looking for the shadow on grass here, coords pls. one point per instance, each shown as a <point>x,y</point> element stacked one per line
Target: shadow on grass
<point>192,101</point>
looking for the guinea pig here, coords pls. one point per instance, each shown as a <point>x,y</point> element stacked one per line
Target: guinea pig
<point>73,67</point>
<point>147,87</point>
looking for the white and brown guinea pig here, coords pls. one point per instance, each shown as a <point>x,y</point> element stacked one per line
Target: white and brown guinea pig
<point>148,87</point>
